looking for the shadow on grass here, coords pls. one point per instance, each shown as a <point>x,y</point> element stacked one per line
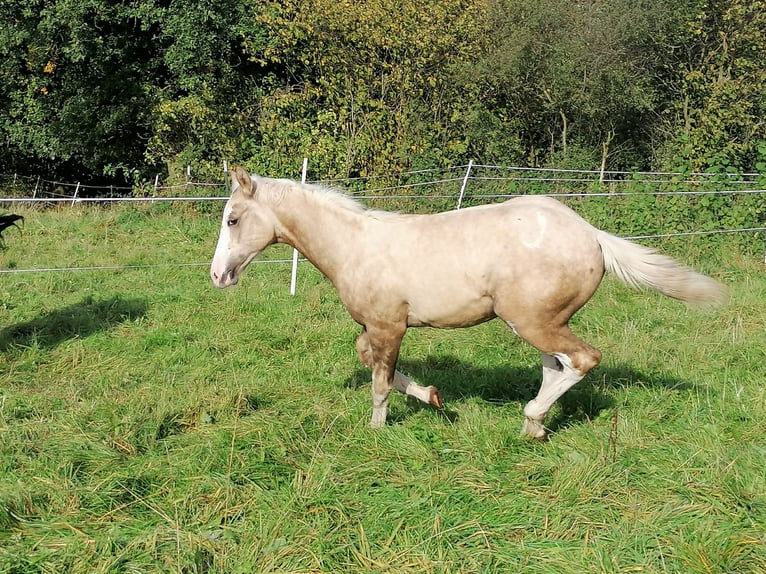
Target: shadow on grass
<point>75,321</point>
<point>459,381</point>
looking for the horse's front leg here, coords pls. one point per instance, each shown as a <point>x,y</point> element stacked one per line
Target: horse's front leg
<point>379,348</point>
<point>401,382</point>
<point>429,395</point>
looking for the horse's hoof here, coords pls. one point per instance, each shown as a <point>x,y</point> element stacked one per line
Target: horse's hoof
<point>534,429</point>
<point>434,398</point>
<point>378,420</point>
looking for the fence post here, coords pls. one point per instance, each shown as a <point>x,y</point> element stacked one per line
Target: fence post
<point>465,182</point>
<point>34,193</point>
<point>294,274</point>
<point>76,190</point>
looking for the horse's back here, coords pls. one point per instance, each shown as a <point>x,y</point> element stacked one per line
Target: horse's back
<point>526,228</point>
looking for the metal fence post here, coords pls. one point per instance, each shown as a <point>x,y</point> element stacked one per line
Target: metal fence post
<point>294,274</point>
<point>76,190</point>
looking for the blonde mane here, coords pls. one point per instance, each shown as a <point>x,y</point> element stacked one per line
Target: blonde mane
<point>277,189</point>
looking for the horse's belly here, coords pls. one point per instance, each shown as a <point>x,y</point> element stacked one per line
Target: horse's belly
<point>449,311</point>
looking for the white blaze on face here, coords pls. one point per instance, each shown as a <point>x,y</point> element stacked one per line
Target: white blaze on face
<point>218,271</point>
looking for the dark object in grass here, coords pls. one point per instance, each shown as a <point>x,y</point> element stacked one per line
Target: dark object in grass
<point>8,220</point>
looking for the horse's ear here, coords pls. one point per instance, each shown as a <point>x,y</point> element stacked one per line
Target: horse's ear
<point>243,179</point>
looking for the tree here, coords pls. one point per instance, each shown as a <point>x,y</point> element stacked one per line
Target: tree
<point>376,86</point>
<point>576,79</point>
<point>716,120</point>
<point>361,87</point>
<point>76,79</point>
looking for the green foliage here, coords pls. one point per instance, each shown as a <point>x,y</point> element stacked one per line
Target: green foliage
<point>77,74</point>
<point>722,96</point>
<point>378,86</point>
<point>582,79</point>
<point>366,93</point>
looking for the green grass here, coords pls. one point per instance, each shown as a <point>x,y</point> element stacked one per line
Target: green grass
<point>151,423</point>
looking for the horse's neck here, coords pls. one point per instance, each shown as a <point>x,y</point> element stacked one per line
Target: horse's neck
<point>325,232</point>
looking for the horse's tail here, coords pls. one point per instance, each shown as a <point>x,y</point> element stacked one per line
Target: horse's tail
<point>636,265</point>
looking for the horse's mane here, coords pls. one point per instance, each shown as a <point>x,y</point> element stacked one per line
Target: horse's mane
<point>323,195</point>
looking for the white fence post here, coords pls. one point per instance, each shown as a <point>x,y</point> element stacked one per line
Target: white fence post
<point>465,182</point>
<point>294,275</point>
<point>76,189</point>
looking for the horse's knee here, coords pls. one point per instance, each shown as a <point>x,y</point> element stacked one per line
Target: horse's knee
<point>364,350</point>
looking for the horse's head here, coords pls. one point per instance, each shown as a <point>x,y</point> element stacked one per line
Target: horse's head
<point>246,230</point>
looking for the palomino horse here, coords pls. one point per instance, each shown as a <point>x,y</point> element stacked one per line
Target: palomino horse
<point>531,261</point>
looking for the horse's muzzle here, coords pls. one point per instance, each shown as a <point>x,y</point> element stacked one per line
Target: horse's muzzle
<point>225,279</point>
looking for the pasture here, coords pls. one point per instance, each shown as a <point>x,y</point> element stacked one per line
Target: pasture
<point>152,423</point>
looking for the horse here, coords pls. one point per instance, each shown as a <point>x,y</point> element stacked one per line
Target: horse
<point>530,261</point>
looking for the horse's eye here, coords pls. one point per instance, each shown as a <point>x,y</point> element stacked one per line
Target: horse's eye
<point>231,222</point>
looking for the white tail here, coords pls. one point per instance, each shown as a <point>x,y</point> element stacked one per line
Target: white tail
<point>636,265</point>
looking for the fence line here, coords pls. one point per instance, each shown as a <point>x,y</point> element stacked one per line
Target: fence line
<point>127,267</point>
<point>469,172</point>
<point>303,260</point>
<point>693,233</point>
<point>79,200</point>
<point>557,175</point>
<point>366,196</point>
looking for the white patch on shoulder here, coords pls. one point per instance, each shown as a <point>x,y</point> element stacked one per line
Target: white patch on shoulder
<point>542,226</point>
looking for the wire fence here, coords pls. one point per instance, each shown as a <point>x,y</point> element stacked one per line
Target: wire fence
<point>367,187</point>
<point>452,187</point>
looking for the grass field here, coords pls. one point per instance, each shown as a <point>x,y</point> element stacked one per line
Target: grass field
<point>151,423</point>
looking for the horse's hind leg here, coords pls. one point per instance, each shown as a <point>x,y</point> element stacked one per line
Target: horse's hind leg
<point>566,360</point>
<point>400,382</point>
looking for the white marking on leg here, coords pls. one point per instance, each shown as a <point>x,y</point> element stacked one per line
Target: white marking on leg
<point>402,382</point>
<point>564,360</point>
<point>379,410</point>
<point>405,385</point>
<point>558,376</point>
<point>513,328</point>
